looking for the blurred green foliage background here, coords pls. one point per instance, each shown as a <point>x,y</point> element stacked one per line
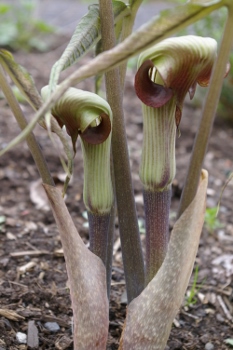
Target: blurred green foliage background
<point>19,27</point>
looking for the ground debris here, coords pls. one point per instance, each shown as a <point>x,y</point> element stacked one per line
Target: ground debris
<point>32,339</point>
<point>63,343</point>
<point>11,315</point>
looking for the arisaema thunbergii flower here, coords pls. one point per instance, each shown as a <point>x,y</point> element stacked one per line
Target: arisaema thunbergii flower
<point>89,116</point>
<point>166,73</point>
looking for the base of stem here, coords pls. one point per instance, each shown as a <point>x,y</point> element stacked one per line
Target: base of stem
<point>157,207</point>
<point>98,234</point>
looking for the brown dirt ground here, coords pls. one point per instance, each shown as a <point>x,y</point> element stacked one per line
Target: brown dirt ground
<point>28,234</point>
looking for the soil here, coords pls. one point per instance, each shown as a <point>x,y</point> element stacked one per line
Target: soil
<point>33,279</point>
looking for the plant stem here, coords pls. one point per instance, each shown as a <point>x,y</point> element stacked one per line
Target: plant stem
<point>130,238</point>
<point>157,171</point>
<point>157,206</point>
<point>98,232</point>
<point>22,122</point>
<point>206,123</point>
<point>128,24</point>
<point>111,230</point>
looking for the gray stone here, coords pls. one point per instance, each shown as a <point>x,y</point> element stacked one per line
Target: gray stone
<point>33,340</point>
<point>209,346</point>
<point>52,326</point>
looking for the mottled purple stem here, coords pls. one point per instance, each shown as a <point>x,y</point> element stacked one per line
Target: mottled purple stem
<point>98,233</point>
<point>157,207</point>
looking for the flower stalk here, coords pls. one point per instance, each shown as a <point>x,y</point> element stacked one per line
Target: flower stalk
<point>157,171</point>
<point>98,194</point>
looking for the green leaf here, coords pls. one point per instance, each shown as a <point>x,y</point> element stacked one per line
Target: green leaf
<point>120,10</point>
<point>133,3</point>
<point>2,219</point>
<point>4,8</point>
<point>229,341</point>
<point>8,33</point>
<point>43,27</point>
<point>86,35</point>
<point>2,222</point>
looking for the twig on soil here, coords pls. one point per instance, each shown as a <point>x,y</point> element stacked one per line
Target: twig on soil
<point>11,315</point>
<point>121,283</point>
<point>18,284</point>
<point>228,304</point>
<point>116,246</point>
<point>31,246</point>
<point>224,308</point>
<point>29,266</point>
<point>29,253</point>
<point>218,290</point>
<point>191,316</point>
<point>176,323</point>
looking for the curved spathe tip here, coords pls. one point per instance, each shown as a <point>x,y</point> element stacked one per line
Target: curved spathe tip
<point>150,93</point>
<point>79,112</point>
<point>98,134</point>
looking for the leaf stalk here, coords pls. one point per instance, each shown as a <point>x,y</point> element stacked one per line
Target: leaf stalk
<point>209,110</point>
<point>129,231</point>
<point>30,139</point>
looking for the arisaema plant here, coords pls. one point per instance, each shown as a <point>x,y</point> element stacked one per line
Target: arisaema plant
<point>168,69</point>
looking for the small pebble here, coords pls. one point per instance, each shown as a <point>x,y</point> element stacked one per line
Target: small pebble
<point>52,326</point>
<point>209,346</point>
<point>175,344</point>
<point>124,298</point>
<point>21,338</point>
<point>205,338</point>
<point>220,318</point>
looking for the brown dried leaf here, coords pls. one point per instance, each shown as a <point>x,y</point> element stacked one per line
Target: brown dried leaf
<point>38,196</point>
<point>150,315</point>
